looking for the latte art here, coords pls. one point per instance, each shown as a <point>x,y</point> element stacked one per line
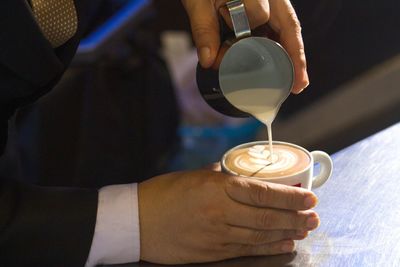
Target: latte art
<point>260,156</point>
<point>256,161</point>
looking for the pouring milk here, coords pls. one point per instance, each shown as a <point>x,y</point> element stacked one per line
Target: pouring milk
<point>256,76</point>
<point>262,103</point>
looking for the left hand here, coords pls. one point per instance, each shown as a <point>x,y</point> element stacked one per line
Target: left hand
<point>204,216</point>
<point>278,14</point>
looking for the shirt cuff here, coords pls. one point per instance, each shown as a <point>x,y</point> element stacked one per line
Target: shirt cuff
<point>116,237</point>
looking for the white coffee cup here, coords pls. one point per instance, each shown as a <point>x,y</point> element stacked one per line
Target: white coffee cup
<point>305,177</point>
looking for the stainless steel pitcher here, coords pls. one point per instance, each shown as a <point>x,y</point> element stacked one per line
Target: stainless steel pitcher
<point>249,62</point>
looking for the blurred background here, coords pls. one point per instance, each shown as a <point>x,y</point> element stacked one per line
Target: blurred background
<point>129,104</point>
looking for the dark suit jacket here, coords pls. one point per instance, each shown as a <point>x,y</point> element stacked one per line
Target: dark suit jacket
<point>38,226</point>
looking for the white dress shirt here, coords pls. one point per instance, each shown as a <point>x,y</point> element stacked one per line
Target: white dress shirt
<point>116,237</point>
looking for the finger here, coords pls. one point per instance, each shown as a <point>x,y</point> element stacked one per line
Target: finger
<point>272,219</point>
<point>216,166</point>
<point>269,195</point>
<point>205,29</point>
<point>291,39</point>
<point>284,21</point>
<point>223,49</point>
<point>245,236</point>
<point>220,6</point>
<point>257,12</point>
<point>279,247</point>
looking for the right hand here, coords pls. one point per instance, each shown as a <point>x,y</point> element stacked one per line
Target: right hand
<point>278,14</point>
<point>203,216</point>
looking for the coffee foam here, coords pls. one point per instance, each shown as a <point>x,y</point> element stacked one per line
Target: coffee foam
<point>255,161</point>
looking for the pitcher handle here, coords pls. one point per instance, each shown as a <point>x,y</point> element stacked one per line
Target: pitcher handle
<point>239,18</point>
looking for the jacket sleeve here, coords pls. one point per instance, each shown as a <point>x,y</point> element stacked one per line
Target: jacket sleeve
<point>42,226</point>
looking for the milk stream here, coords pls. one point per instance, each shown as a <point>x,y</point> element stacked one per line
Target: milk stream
<point>271,149</point>
<point>262,103</point>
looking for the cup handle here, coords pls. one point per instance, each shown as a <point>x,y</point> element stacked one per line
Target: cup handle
<point>326,164</point>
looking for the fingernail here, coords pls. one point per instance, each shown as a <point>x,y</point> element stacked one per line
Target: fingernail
<point>312,222</point>
<point>307,79</point>
<point>301,235</point>
<point>288,247</point>
<point>305,83</point>
<point>205,54</point>
<point>310,202</point>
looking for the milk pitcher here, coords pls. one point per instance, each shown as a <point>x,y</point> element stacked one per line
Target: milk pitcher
<point>249,62</point>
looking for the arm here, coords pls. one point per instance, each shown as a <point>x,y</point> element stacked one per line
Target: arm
<point>45,226</point>
<point>40,226</point>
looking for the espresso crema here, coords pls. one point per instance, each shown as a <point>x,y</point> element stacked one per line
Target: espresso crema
<point>255,161</point>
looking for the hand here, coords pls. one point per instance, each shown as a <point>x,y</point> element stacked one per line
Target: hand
<point>279,14</point>
<point>203,216</point>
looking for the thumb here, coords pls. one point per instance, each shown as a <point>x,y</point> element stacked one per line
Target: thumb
<point>205,29</point>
